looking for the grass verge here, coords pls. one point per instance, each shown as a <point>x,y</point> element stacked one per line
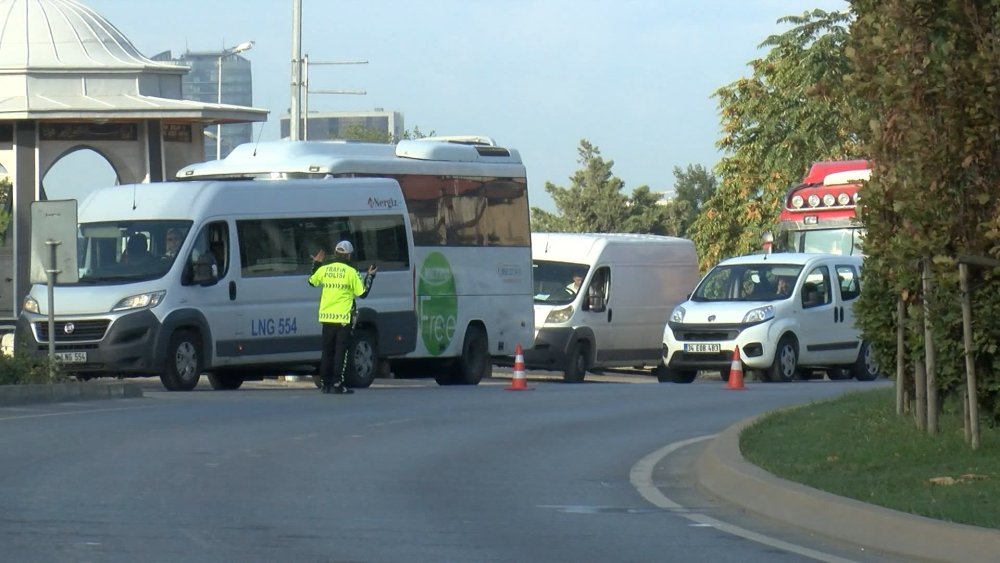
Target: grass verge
<point>857,447</point>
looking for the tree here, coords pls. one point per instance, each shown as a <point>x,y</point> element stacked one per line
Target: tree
<point>930,71</point>
<point>692,190</point>
<point>359,132</point>
<point>594,202</point>
<point>6,200</point>
<point>793,110</point>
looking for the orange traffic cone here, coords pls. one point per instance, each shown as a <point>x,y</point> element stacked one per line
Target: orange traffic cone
<point>736,372</point>
<point>518,383</point>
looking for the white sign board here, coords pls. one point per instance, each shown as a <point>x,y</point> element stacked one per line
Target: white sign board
<point>54,221</point>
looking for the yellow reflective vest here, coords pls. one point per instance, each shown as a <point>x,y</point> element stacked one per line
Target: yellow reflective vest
<point>341,283</point>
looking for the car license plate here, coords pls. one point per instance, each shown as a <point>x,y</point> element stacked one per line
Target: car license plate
<point>71,357</point>
<point>703,348</point>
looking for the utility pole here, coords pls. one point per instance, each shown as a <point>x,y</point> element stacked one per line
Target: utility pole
<point>295,108</point>
<point>307,91</point>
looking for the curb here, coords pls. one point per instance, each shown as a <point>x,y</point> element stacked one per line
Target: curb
<point>65,392</point>
<point>724,472</point>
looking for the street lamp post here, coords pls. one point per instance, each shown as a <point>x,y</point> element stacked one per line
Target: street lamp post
<point>245,46</point>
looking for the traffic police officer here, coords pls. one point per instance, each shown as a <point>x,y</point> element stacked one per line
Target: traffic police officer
<point>341,284</point>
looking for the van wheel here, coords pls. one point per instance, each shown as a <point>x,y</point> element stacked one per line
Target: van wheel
<point>225,381</point>
<point>786,360</point>
<point>866,366</point>
<point>183,365</point>
<point>475,359</point>
<point>576,363</point>
<point>363,356</point>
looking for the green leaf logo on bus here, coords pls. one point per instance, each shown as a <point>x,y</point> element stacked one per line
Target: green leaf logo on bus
<point>437,303</point>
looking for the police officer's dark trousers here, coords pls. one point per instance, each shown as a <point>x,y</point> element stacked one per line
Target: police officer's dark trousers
<point>333,363</point>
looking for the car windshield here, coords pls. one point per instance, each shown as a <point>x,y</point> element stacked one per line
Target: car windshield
<point>557,283</point>
<point>748,282</point>
<point>128,251</point>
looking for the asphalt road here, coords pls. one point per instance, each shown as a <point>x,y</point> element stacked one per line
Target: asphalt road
<point>403,471</point>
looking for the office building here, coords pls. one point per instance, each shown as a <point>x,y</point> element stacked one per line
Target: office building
<point>202,84</point>
<point>322,126</point>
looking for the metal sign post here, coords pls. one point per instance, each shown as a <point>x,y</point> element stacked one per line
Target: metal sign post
<point>52,272</point>
<point>53,255</point>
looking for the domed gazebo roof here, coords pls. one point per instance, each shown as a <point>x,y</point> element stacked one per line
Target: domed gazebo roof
<point>63,35</point>
<point>60,59</point>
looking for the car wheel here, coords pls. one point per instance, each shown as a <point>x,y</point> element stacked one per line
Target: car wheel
<point>183,363</point>
<point>866,366</point>
<point>363,356</point>
<point>576,363</point>
<point>786,360</point>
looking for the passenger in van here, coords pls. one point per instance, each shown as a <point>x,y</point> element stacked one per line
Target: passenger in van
<point>173,242</point>
<point>782,289</point>
<point>574,286</point>
<point>136,250</point>
<point>341,284</point>
<point>811,295</point>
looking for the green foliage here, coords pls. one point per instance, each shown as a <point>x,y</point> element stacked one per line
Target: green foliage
<point>6,202</point>
<point>22,368</point>
<point>792,111</point>
<point>930,74</point>
<point>358,132</point>
<point>594,202</point>
<point>857,447</point>
<point>693,188</point>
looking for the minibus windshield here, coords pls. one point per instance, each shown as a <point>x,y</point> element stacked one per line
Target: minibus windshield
<point>128,251</point>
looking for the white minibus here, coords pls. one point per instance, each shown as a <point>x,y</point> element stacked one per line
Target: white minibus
<point>177,279</point>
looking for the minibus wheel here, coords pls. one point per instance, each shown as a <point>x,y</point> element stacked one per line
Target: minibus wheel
<point>364,359</point>
<point>183,365</point>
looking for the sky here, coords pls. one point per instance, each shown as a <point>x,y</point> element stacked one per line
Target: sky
<point>633,77</point>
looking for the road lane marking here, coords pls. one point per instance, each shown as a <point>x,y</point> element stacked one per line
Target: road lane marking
<point>69,413</point>
<point>641,477</point>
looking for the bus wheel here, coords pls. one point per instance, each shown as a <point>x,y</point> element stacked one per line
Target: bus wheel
<point>576,363</point>
<point>866,367</point>
<point>225,380</point>
<point>364,359</point>
<point>475,359</point>
<point>184,363</point>
<point>786,360</point>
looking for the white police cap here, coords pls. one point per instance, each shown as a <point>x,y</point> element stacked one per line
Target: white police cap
<point>345,247</point>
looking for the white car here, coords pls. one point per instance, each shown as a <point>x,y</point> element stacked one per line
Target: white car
<point>787,314</point>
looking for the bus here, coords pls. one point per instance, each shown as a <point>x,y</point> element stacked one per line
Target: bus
<point>467,200</point>
<point>819,214</point>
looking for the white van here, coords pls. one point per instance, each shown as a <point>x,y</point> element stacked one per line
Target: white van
<point>787,313</point>
<point>614,317</point>
<point>233,299</point>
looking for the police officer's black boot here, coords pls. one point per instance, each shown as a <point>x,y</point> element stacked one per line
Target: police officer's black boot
<point>327,387</point>
<point>341,389</point>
